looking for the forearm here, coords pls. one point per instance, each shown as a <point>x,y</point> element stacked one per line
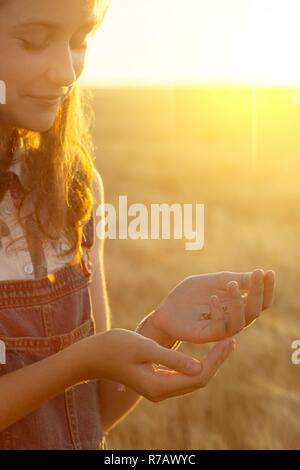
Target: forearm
<point>26,389</point>
<point>116,405</point>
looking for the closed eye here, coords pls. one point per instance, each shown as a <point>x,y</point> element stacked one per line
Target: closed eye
<point>80,43</point>
<point>33,46</point>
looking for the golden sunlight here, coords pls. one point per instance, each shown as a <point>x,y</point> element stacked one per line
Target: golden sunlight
<point>216,42</point>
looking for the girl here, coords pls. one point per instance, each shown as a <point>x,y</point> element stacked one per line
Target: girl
<point>61,361</point>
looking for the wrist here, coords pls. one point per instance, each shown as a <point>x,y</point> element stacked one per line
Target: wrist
<point>83,352</point>
<point>75,362</point>
<point>147,328</point>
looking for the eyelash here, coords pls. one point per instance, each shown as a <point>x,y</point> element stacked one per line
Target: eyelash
<point>33,47</point>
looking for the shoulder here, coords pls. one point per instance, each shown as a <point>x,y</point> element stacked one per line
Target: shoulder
<point>97,187</point>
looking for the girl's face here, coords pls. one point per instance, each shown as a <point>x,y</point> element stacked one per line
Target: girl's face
<point>42,51</point>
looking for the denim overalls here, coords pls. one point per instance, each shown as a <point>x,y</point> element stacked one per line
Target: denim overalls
<point>39,317</point>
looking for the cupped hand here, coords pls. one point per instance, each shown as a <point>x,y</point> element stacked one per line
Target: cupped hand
<point>210,307</point>
<point>140,363</point>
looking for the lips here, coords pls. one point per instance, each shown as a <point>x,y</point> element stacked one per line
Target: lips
<point>50,100</point>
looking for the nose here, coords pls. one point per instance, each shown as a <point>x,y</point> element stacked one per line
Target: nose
<point>61,69</point>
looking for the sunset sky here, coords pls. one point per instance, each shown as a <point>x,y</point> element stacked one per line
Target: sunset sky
<point>197,41</point>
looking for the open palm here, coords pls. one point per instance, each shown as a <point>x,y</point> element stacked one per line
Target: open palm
<point>210,307</point>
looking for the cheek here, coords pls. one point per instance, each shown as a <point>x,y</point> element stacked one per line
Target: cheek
<point>5,60</point>
<point>18,70</point>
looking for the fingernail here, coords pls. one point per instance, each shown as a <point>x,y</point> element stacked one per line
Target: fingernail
<point>258,277</point>
<point>193,365</point>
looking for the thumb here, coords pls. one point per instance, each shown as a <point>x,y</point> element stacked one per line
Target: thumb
<point>175,360</point>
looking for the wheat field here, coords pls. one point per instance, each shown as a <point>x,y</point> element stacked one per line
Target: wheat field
<point>207,146</point>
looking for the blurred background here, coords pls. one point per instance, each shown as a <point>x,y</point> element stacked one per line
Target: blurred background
<point>198,102</point>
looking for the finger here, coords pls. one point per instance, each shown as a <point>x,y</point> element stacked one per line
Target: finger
<point>243,279</point>
<point>236,309</point>
<point>255,297</point>
<point>245,297</point>
<point>171,384</point>
<point>214,329</point>
<point>213,360</point>
<point>218,322</point>
<point>269,285</point>
<point>174,360</point>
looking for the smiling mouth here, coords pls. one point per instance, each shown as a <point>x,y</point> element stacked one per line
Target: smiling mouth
<point>46,102</point>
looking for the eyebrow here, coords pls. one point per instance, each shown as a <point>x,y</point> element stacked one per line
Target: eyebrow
<point>89,25</point>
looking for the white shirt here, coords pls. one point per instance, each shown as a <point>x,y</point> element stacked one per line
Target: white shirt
<point>16,265</point>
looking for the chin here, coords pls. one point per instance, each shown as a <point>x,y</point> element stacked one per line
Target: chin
<point>33,119</point>
<point>39,127</point>
<point>43,124</point>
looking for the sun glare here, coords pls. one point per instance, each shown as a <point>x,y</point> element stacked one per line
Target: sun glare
<point>237,42</point>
